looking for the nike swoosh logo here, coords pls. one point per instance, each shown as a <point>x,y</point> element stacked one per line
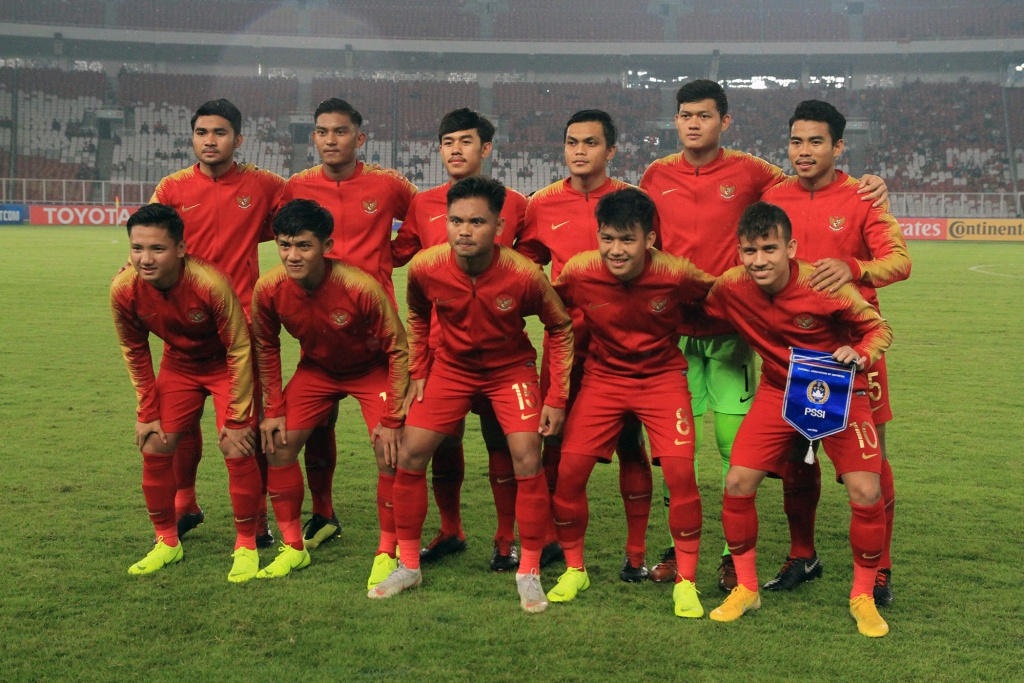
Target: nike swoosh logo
<point>524,416</point>
<point>243,521</point>
<point>681,443</point>
<point>735,547</point>
<point>636,497</point>
<point>599,305</point>
<point>667,191</point>
<point>189,208</point>
<point>557,226</point>
<point>808,568</point>
<point>744,400</point>
<point>499,480</point>
<point>434,218</point>
<point>146,317</point>
<point>389,504</point>
<point>557,523</point>
<point>870,557</point>
<point>867,456</point>
<point>272,496</point>
<point>444,301</point>
<point>683,534</point>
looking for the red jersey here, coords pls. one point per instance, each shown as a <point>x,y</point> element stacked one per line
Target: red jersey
<point>700,208</point>
<point>833,222</point>
<point>226,218</point>
<point>199,318</point>
<point>426,223</point>
<point>633,325</point>
<point>798,316</point>
<point>481,319</point>
<point>345,327</point>
<point>364,206</point>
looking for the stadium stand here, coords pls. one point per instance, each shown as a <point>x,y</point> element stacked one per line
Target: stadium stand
<point>403,19</point>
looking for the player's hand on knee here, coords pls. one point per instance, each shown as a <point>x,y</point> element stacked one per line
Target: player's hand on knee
<point>237,443</point>
<point>144,429</point>
<point>415,393</point>
<point>831,273</point>
<point>846,354</point>
<point>873,189</point>
<point>551,421</point>
<point>390,440</point>
<point>270,426</point>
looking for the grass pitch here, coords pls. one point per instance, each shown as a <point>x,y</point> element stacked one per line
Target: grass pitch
<point>73,520</point>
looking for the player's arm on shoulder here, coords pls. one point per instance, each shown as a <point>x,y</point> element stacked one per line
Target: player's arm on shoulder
<point>890,258</point>
<point>873,189</point>
<point>831,274</point>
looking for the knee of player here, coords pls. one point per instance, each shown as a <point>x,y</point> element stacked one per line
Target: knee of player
<point>153,444</point>
<point>863,490</point>
<point>739,483</point>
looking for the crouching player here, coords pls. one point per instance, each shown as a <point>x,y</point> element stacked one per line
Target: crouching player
<point>352,343</point>
<point>632,298</point>
<point>481,293</point>
<point>772,302</point>
<point>192,307</point>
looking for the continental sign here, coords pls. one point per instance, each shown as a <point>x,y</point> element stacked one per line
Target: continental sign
<point>963,229</point>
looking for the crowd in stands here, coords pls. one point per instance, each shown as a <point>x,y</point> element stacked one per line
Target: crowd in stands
<point>924,137</point>
<point>568,20</point>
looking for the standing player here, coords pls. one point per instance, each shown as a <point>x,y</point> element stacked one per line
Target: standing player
<point>226,208</point>
<point>465,141</point>
<point>481,292</point>
<point>191,306</point>
<point>353,344</point>
<point>846,241</point>
<point>701,193</point>
<point>633,299</point>
<point>364,202</point>
<point>771,301</point>
<point>560,224</point>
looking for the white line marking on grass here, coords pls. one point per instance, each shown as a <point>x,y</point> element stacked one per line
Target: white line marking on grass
<point>981,269</point>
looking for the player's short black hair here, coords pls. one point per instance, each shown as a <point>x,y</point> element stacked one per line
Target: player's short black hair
<point>336,105</point>
<point>466,119</point>
<point>303,214</point>
<point>626,209</point>
<point>223,108</point>
<point>761,220</point>
<point>479,186</point>
<point>703,89</point>
<point>816,110</point>
<point>158,216</point>
<point>598,116</point>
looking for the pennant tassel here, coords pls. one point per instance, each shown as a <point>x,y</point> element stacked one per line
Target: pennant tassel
<point>809,458</point>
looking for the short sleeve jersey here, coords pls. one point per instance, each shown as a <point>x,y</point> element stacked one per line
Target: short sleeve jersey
<point>633,324</point>
<point>426,222</point>
<point>700,208</point>
<point>364,207</point>
<point>798,316</point>
<point>226,218</point>
<point>345,327</point>
<point>482,319</point>
<point>833,222</point>
<point>200,320</point>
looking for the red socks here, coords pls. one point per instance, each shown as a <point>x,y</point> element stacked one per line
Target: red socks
<point>244,485</point>
<point>447,470</point>
<point>867,534</point>
<point>386,514</point>
<point>889,498</point>
<point>533,512</point>
<point>286,493</point>
<point>186,464</point>
<point>801,489</point>
<point>503,486</point>
<point>158,487</point>
<point>739,521</point>
<point>685,516</point>
<point>410,498</point>
<point>571,511</point>
<point>320,457</point>
<point>636,487</point>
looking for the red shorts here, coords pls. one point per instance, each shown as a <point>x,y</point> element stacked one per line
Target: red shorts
<point>604,403</point>
<point>878,392</point>
<point>183,388</point>
<point>311,394</point>
<point>765,440</point>
<point>514,393</point>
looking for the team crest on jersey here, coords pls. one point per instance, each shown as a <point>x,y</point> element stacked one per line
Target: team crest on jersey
<point>837,223</point>
<point>804,321</point>
<point>817,392</point>
<point>243,202</point>
<point>196,315</point>
<point>504,302</point>
<point>727,191</point>
<point>340,318</point>
<point>370,205</point>
<point>658,304</point>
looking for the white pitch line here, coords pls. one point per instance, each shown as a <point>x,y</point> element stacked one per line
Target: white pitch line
<point>980,269</point>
